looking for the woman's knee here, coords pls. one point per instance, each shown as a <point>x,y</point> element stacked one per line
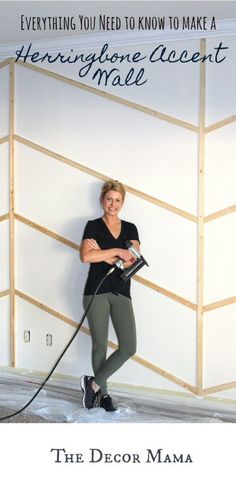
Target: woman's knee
<point>99,348</point>
<point>128,351</point>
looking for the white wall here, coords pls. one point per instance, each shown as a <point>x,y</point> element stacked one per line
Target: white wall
<point>109,137</point>
<point>4,98</point>
<point>220,234</point>
<point>220,169</point>
<point>4,226</point>
<point>156,157</point>
<point>4,332</point>
<point>4,178</point>
<point>221,98</point>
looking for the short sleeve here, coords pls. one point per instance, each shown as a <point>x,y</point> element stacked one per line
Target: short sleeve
<point>89,231</point>
<point>133,233</point>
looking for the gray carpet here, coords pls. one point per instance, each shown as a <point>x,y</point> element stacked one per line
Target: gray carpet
<point>24,417</point>
<point>58,403</point>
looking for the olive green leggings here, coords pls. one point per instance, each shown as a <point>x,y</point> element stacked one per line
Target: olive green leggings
<point>120,309</point>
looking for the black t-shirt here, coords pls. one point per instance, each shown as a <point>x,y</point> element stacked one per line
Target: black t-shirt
<point>98,230</point>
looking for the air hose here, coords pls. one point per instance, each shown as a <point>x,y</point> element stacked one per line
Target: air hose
<point>63,352</point>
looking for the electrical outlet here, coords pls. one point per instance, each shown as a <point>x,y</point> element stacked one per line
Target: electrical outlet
<point>49,339</point>
<point>27,336</point>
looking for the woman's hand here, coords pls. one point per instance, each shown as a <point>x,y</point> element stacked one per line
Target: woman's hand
<point>126,255</point>
<point>90,252</point>
<point>92,243</point>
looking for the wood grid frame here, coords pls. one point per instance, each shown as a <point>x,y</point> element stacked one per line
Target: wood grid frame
<point>200,219</point>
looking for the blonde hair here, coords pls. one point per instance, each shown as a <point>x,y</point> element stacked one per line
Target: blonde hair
<point>112,185</point>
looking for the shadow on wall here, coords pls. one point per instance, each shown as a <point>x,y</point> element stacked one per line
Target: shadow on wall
<point>77,271</point>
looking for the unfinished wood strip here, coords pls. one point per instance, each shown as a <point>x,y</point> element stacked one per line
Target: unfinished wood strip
<point>4,293</point>
<point>201,205</point>
<point>221,123</point>
<point>220,213</point>
<point>165,292</point>
<point>220,304</point>
<point>111,97</point>
<point>138,278</point>
<point>61,158</point>
<point>4,139</point>
<point>47,232</point>
<point>11,211</point>
<point>75,246</point>
<point>45,308</point>
<point>4,217</point>
<point>218,388</point>
<point>164,373</point>
<point>5,63</point>
<point>111,344</point>
<point>104,178</point>
<point>161,204</point>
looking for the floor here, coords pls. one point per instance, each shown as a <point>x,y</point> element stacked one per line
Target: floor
<point>59,403</point>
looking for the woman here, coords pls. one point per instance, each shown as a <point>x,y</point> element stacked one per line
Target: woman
<point>102,245</point>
